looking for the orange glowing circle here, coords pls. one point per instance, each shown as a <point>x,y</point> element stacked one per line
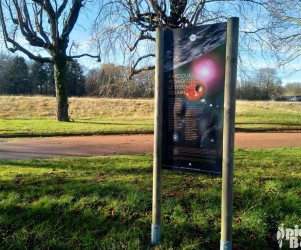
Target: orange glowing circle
<point>194,91</point>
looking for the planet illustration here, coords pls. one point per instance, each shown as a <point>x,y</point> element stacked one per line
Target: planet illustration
<point>194,91</point>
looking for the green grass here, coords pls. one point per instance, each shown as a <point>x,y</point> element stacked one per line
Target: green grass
<point>268,116</point>
<point>105,203</point>
<point>35,116</point>
<point>48,127</point>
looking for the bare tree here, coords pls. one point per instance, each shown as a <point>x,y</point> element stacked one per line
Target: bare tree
<point>292,89</point>
<point>46,25</point>
<point>285,33</point>
<point>133,23</point>
<point>111,81</point>
<point>263,85</point>
<point>269,82</point>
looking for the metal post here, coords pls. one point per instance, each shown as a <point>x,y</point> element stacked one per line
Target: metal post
<point>158,136</point>
<point>228,132</point>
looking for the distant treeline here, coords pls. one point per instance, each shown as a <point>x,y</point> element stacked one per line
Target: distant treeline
<point>20,77</point>
<point>264,84</point>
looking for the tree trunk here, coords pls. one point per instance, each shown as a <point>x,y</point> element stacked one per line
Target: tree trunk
<point>60,77</point>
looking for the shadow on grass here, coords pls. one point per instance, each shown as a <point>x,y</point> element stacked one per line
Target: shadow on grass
<point>269,123</point>
<point>60,212</point>
<point>268,127</point>
<point>111,123</point>
<point>105,164</point>
<point>105,203</point>
<point>261,130</point>
<point>55,226</point>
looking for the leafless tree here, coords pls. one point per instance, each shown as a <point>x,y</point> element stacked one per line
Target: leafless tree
<point>285,33</point>
<point>263,85</point>
<point>46,25</point>
<point>292,89</point>
<point>133,23</point>
<point>111,81</point>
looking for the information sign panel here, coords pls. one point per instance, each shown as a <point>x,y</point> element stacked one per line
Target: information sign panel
<point>194,75</point>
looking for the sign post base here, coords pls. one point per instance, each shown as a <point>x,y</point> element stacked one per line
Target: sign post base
<point>156,232</point>
<point>226,245</point>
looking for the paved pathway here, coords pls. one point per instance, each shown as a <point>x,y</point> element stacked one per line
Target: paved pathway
<point>47,147</point>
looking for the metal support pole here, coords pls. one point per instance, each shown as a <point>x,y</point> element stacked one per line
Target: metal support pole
<point>158,136</point>
<point>228,132</point>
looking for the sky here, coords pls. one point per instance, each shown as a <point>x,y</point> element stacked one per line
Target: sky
<point>288,73</point>
<point>82,35</point>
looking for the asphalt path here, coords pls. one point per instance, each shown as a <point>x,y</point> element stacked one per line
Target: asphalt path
<point>81,146</point>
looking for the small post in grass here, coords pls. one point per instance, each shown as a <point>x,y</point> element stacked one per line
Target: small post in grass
<point>228,133</point>
<point>158,137</point>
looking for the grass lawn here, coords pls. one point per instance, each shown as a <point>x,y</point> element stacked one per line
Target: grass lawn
<point>105,203</point>
<point>50,127</point>
<point>35,116</point>
<point>268,116</point>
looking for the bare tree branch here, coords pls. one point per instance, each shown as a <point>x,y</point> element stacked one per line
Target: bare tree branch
<point>61,8</point>
<point>38,16</point>
<point>85,54</point>
<point>137,71</point>
<point>72,18</point>
<point>133,69</point>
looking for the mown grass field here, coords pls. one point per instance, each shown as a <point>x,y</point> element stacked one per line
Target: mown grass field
<point>35,116</point>
<point>105,203</point>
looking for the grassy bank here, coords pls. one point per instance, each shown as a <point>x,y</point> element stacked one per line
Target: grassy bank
<point>35,116</point>
<point>105,203</point>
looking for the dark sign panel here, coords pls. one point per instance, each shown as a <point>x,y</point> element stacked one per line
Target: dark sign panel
<point>194,72</point>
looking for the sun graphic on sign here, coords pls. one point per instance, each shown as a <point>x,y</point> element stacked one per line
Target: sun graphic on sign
<point>210,71</point>
<point>206,70</point>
